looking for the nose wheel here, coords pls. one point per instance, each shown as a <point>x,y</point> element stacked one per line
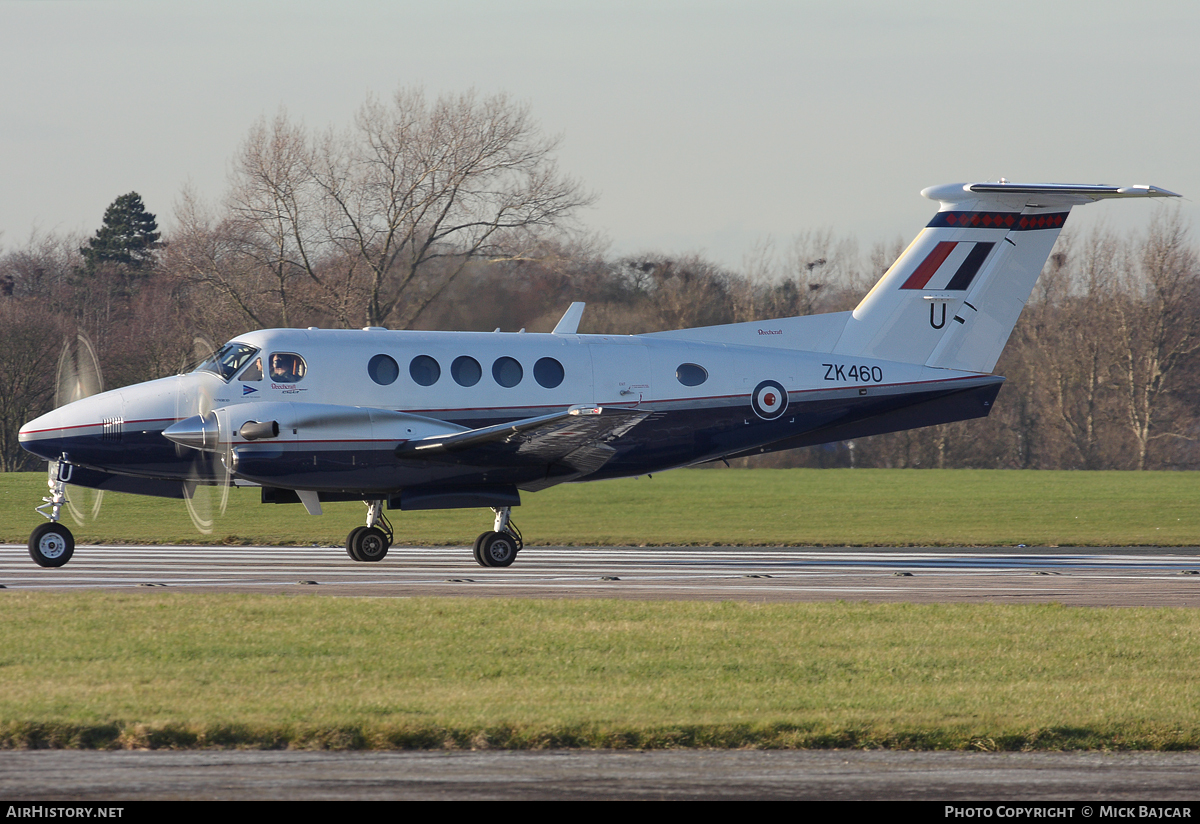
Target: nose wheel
<point>51,545</point>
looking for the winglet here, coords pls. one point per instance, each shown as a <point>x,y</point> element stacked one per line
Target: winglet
<point>569,325</point>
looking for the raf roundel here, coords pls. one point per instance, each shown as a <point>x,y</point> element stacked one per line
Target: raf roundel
<point>769,400</point>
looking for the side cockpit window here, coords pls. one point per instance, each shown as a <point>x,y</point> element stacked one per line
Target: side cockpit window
<point>253,372</point>
<point>287,367</point>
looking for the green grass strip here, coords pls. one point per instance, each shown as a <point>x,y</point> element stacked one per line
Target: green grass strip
<point>175,670</point>
<point>702,507</point>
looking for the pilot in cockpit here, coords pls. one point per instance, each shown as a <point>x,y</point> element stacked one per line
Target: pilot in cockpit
<point>286,367</point>
<point>253,372</point>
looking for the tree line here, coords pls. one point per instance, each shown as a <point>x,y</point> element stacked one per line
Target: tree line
<point>450,213</point>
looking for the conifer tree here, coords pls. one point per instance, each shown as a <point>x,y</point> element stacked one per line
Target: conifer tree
<point>129,236</point>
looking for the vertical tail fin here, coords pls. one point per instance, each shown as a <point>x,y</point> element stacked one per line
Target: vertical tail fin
<point>952,299</point>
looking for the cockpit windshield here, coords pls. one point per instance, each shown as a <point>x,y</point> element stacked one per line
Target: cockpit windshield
<point>227,360</point>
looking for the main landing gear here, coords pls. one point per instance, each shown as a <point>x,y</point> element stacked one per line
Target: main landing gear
<point>370,542</point>
<point>499,547</point>
<point>52,544</point>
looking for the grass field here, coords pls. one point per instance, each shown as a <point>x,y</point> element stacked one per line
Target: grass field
<point>178,670</point>
<point>792,507</point>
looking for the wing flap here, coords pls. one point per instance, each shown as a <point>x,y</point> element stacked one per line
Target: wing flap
<point>577,438</point>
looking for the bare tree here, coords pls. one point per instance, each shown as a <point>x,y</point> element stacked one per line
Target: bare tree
<point>1079,364</point>
<point>30,341</point>
<point>679,292</point>
<point>223,257</point>
<point>1157,329</point>
<point>818,272</point>
<point>372,223</point>
<point>43,267</point>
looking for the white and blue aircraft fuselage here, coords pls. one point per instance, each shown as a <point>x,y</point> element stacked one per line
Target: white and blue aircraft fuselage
<point>423,420</point>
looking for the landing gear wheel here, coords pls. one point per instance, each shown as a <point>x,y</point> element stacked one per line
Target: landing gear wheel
<point>369,545</point>
<point>51,545</point>
<point>497,549</point>
<point>478,543</point>
<point>350,539</point>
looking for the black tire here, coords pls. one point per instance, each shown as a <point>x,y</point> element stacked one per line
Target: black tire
<point>370,545</point>
<point>498,549</point>
<point>350,539</point>
<point>478,544</point>
<point>51,545</point>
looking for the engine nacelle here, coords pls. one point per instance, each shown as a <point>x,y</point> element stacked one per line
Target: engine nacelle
<point>291,444</point>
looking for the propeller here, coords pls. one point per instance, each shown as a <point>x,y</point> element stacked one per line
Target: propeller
<point>206,490</point>
<point>78,377</point>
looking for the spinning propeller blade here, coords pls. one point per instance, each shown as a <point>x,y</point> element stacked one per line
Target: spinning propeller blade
<point>206,491</point>
<point>78,377</point>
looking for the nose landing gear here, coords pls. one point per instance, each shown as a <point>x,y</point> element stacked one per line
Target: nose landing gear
<point>52,544</point>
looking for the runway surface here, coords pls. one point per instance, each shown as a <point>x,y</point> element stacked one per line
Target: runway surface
<point>1079,576</point>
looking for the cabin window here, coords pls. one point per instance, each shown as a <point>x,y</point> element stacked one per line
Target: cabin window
<point>690,374</point>
<point>383,369</point>
<point>548,372</point>
<point>424,370</point>
<point>287,367</point>
<point>507,371</point>
<point>466,371</point>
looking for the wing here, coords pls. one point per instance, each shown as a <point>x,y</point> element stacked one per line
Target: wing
<point>569,444</point>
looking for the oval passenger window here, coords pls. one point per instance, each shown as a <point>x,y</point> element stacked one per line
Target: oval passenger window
<point>383,369</point>
<point>548,372</point>
<point>466,371</point>
<point>690,374</point>
<point>507,371</point>
<point>424,370</point>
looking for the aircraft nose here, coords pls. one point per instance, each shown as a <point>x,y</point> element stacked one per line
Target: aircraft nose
<point>75,427</point>
<point>43,436</point>
<point>32,436</point>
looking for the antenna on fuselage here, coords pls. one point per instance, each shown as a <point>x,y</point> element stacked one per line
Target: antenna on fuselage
<point>569,325</point>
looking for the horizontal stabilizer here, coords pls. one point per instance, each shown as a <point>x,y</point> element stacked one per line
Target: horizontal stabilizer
<point>1044,194</point>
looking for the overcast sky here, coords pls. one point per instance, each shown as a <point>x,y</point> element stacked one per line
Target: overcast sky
<point>703,126</point>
